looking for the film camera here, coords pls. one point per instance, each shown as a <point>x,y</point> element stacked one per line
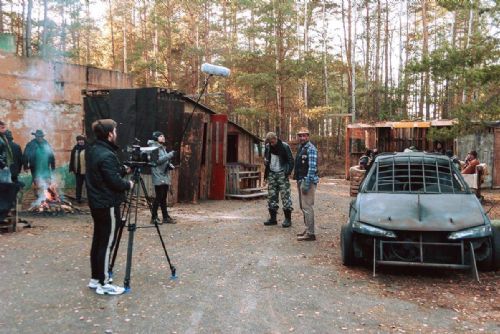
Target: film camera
<point>141,156</point>
<point>144,156</point>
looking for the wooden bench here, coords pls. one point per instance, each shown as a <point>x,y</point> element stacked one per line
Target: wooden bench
<point>244,181</point>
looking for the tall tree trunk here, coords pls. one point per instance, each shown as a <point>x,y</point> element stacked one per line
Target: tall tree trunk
<point>125,52</point>
<point>376,101</point>
<point>45,33</point>
<point>306,51</point>
<point>112,29</point>
<point>63,30</point>
<point>28,29</point>
<point>405,75</point>
<point>424,80</point>
<point>386,54</point>
<point>348,48</point>
<point>325,53</point>
<point>87,32</point>
<point>367,61</point>
<point>353,65</point>
<point>278,33</point>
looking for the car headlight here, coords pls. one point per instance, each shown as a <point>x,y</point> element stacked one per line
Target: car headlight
<point>372,230</point>
<point>474,232</point>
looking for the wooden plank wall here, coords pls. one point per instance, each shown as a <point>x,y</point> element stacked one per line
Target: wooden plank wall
<point>245,145</point>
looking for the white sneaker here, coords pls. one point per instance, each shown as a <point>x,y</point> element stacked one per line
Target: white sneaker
<point>93,283</point>
<point>109,289</point>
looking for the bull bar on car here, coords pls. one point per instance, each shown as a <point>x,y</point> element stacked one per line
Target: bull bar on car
<point>421,262</point>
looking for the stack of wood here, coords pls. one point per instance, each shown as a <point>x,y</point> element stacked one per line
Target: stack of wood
<point>356,175</point>
<point>59,206</point>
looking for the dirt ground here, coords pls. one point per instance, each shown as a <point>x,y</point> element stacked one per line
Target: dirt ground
<point>235,276</point>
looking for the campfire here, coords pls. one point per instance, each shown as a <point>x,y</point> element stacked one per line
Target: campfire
<point>49,201</point>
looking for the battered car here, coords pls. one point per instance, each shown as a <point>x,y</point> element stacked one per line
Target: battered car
<point>415,209</point>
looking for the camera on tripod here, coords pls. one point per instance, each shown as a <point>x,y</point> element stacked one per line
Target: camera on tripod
<point>141,156</point>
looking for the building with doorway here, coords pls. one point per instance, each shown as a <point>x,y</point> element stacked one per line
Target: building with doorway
<point>208,144</point>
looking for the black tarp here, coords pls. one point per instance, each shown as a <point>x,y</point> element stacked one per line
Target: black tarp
<point>138,113</point>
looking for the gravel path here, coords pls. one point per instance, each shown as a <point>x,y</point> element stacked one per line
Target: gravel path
<point>235,276</point>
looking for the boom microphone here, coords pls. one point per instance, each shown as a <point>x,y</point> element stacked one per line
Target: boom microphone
<point>215,70</point>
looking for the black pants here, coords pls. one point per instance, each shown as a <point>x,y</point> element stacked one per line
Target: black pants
<point>106,223</point>
<point>80,179</point>
<point>161,200</point>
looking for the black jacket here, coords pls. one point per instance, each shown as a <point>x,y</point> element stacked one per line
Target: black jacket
<point>286,158</point>
<point>17,155</point>
<point>104,176</point>
<point>3,151</point>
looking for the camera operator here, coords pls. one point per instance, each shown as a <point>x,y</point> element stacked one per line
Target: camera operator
<point>106,189</point>
<point>161,177</point>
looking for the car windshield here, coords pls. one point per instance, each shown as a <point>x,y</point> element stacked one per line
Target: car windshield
<point>414,174</point>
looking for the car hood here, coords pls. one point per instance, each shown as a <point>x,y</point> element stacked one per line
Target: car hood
<point>420,212</point>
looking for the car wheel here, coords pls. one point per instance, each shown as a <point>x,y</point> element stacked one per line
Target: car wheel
<point>348,258</point>
<point>487,263</point>
<point>495,246</point>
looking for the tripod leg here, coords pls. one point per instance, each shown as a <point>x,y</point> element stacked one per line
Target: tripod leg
<point>172,268</point>
<point>131,229</point>
<point>123,221</point>
<point>128,269</point>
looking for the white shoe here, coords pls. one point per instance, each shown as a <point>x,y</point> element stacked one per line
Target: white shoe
<point>109,289</point>
<point>93,283</point>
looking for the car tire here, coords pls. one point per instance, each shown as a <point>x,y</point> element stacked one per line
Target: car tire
<point>487,263</point>
<point>495,246</point>
<point>346,245</point>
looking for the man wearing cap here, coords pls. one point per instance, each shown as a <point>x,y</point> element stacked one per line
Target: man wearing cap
<point>6,156</point>
<point>161,177</point>
<point>17,157</point>
<point>106,189</point>
<point>40,160</point>
<point>77,165</point>
<point>279,165</point>
<point>306,174</point>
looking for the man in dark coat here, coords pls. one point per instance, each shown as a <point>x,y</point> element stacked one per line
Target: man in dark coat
<point>40,160</point>
<point>77,165</point>
<point>106,189</point>
<point>5,155</point>
<point>17,157</point>
<point>279,165</point>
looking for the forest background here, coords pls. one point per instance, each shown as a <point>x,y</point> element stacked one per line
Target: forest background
<point>320,63</point>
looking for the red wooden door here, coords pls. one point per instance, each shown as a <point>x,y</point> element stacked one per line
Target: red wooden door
<point>218,154</point>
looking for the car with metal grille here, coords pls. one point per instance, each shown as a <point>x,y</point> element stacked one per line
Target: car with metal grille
<point>415,209</point>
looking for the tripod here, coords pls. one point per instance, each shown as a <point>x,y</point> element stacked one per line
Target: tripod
<point>126,220</point>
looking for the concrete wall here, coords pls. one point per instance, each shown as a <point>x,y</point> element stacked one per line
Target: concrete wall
<point>37,94</point>
<point>482,143</point>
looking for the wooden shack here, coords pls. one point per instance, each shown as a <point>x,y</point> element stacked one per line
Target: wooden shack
<point>207,141</point>
<point>389,137</point>
<point>487,145</point>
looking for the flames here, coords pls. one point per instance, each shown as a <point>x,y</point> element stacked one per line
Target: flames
<point>49,201</point>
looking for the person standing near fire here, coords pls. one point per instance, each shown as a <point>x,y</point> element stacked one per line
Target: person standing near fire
<point>160,175</point>
<point>40,160</point>
<point>106,188</point>
<point>6,156</point>
<point>306,174</point>
<point>278,160</point>
<point>77,165</point>
<point>17,157</point>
